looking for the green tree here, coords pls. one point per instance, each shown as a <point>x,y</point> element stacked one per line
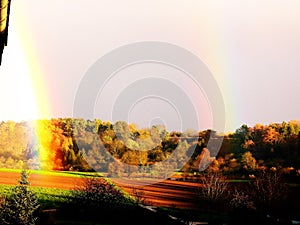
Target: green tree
<point>241,136</point>
<point>22,206</point>
<point>248,161</point>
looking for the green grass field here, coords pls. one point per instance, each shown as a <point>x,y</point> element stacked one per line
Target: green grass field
<point>48,197</point>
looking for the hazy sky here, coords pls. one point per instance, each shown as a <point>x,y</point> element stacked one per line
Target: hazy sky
<point>251,48</point>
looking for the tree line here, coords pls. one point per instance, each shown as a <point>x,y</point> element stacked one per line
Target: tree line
<point>87,145</point>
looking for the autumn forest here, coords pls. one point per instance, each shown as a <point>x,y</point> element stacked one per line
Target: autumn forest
<point>84,145</point>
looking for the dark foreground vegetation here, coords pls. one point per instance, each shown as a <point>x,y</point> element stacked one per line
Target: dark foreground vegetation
<point>264,199</point>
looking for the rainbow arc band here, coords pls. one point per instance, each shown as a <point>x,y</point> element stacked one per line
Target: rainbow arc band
<point>4,22</point>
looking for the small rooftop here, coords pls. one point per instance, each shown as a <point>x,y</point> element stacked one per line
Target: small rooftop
<point>4,21</point>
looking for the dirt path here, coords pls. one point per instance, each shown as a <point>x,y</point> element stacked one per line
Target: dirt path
<point>164,193</point>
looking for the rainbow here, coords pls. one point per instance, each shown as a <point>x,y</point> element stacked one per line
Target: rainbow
<point>32,61</point>
<point>34,75</point>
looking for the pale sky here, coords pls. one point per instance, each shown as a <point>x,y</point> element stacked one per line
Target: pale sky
<point>251,48</point>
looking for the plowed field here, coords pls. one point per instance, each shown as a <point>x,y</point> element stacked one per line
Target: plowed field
<point>164,193</point>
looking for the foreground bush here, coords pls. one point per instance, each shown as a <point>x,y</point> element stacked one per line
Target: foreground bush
<point>95,193</point>
<point>268,191</point>
<point>213,187</point>
<point>21,207</point>
<point>260,200</point>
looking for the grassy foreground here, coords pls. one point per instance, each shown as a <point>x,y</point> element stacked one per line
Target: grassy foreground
<point>49,198</point>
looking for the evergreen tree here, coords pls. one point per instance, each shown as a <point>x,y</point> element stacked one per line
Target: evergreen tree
<point>21,207</point>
